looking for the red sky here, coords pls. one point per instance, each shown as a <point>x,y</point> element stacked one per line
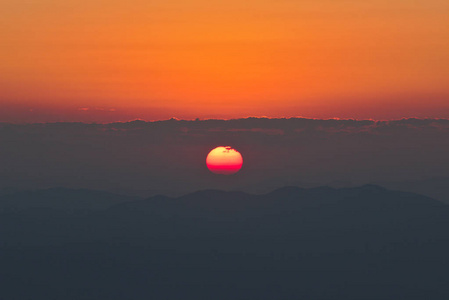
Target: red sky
<point>114,61</point>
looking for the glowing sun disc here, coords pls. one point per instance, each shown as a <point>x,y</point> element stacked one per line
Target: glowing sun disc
<point>224,160</point>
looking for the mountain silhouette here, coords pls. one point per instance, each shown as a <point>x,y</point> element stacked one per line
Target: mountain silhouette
<point>60,198</point>
<point>358,243</point>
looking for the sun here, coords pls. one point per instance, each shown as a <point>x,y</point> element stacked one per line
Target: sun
<point>224,160</point>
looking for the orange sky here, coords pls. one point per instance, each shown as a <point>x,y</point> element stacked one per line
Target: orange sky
<point>196,58</point>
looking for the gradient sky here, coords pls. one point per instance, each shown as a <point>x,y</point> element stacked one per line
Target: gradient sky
<point>117,60</point>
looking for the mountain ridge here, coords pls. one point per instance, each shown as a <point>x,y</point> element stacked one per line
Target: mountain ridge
<point>86,199</point>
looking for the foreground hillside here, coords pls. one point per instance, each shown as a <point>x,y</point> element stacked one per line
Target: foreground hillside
<point>293,243</point>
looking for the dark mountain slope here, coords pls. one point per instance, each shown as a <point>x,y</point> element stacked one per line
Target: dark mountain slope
<point>323,243</point>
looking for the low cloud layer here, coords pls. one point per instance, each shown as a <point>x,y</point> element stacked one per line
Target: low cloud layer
<point>168,157</point>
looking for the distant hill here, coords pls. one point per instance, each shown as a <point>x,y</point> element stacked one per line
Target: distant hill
<point>59,198</point>
<point>437,188</point>
<point>293,243</point>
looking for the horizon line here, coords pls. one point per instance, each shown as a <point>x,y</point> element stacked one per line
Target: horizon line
<point>175,119</point>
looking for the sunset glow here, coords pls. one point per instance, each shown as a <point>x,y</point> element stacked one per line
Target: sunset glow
<point>116,61</point>
<point>224,160</point>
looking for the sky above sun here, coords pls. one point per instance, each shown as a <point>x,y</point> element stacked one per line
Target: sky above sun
<point>117,60</point>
